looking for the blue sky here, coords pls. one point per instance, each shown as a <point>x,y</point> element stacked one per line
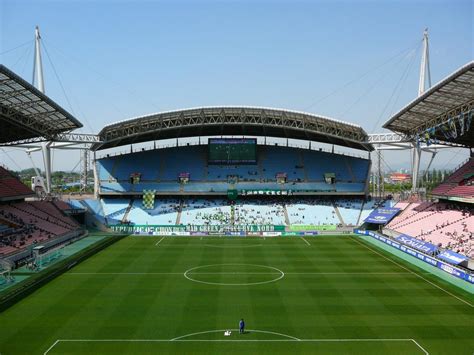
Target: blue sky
<point>119,59</point>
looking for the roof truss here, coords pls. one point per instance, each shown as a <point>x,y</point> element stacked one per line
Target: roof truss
<point>26,113</point>
<point>445,100</point>
<point>232,120</point>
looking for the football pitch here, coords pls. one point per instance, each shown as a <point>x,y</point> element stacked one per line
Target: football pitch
<point>315,295</point>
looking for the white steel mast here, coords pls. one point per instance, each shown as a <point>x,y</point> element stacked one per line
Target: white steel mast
<point>39,81</point>
<point>425,65</point>
<point>424,72</point>
<point>38,64</point>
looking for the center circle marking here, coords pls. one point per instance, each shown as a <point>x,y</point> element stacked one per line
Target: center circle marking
<point>278,277</point>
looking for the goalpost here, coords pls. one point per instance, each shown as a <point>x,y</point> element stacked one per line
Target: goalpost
<point>5,272</point>
<point>42,259</point>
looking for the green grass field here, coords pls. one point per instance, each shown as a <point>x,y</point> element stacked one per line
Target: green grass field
<point>322,295</point>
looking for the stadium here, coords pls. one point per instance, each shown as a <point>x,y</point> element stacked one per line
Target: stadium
<point>203,216</point>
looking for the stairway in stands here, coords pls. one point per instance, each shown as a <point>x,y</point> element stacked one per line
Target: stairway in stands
<point>360,213</point>
<point>178,217</point>
<point>287,217</point>
<point>338,214</point>
<point>129,208</point>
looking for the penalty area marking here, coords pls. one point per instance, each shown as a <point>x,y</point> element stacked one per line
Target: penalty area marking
<point>182,337</point>
<point>305,241</point>
<point>158,242</point>
<point>414,273</point>
<point>286,338</point>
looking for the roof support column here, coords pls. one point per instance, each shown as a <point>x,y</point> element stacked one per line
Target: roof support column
<point>84,170</point>
<point>415,167</point>
<point>380,177</point>
<point>46,150</point>
<point>96,176</point>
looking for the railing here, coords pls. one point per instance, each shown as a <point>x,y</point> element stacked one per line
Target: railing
<point>391,236</point>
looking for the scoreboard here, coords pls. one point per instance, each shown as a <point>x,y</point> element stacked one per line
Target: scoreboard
<point>232,151</point>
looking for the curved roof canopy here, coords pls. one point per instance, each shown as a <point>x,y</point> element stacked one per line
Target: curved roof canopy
<point>249,121</point>
<point>449,101</point>
<point>26,113</point>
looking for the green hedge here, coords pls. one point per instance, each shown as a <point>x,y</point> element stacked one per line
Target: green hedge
<point>12,295</point>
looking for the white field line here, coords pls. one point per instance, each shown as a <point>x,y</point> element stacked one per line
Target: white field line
<point>238,273</point>
<point>179,339</point>
<point>273,269</point>
<point>306,241</point>
<point>422,348</point>
<point>123,273</point>
<point>52,346</point>
<point>233,273</point>
<point>158,242</point>
<point>414,273</point>
<point>182,337</point>
<point>179,245</point>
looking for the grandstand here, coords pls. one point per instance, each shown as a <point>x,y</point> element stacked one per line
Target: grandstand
<point>317,213</point>
<point>28,115</point>
<point>459,185</point>
<point>11,188</point>
<point>27,223</point>
<point>441,115</point>
<point>305,172</point>
<point>229,182</point>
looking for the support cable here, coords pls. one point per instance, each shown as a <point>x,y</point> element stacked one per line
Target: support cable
<point>62,86</point>
<point>17,47</point>
<point>402,79</point>
<point>366,92</point>
<point>360,77</point>
<point>115,83</point>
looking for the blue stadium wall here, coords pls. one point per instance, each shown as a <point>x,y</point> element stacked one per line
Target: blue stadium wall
<point>305,169</point>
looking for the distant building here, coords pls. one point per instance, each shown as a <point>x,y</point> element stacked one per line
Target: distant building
<point>400,177</point>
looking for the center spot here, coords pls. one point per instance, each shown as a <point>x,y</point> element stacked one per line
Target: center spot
<point>234,274</point>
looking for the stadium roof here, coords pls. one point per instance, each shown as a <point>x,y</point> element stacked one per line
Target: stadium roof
<point>233,120</point>
<point>449,98</point>
<point>26,113</point>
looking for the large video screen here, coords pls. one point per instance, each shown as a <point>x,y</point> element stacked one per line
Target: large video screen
<point>232,151</point>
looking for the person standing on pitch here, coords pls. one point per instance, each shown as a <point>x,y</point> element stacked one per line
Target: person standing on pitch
<point>241,326</point>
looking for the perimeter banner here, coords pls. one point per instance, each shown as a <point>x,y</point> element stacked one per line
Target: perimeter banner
<point>177,229</point>
<point>382,215</point>
<point>452,257</point>
<point>450,269</point>
<point>310,227</point>
<point>417,244</point>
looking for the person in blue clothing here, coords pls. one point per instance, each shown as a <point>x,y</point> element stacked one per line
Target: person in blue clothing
<point>241,326</point>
